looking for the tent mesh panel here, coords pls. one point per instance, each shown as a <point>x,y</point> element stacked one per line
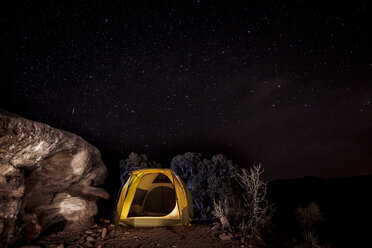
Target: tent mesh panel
<point>160,201</point>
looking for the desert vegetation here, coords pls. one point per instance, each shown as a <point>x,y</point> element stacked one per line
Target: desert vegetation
<point>247,212</point>
<point>232,198</point>
<point>236,204</point>
<point>307,219</point>
<point>207,179</point>
<point>135,162</point>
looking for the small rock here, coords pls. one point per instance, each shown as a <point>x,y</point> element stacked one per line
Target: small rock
<point>127,233</point>
<point>88,231</point>
<point>135,237</point>
<point>95,225</point>
<point>174,246</point>
<point>106,221</point>
<point>242,240</point>
<point>99,246</point>
<point>104,232</point>
<point>224,236</point>
<point>61,246</point>
<point>158,244</point>
<point>90,239</point>
<point>81,240</point>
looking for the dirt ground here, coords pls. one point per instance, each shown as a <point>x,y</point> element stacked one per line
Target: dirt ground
<point>197,235</point>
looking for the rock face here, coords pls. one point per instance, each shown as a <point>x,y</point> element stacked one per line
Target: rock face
<point>48,179</point>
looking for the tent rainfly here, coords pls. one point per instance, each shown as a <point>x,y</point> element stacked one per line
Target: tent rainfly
<point>154,197</point>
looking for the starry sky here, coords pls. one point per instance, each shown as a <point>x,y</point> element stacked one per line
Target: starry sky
<point>284,83</point>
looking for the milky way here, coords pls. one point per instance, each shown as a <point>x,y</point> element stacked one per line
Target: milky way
<point>287,85</point>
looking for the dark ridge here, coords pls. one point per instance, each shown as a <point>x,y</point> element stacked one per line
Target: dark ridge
<point>344,202</point>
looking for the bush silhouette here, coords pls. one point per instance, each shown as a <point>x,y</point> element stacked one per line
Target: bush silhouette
<point>207,179</point>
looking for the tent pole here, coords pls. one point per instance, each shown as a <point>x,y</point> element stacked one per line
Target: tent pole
<point>178,206</point>
<point>116,202</point>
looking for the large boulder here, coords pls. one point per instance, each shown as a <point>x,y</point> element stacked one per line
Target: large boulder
<point>48,179</point>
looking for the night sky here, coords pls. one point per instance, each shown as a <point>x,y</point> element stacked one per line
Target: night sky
<point>284,83</point>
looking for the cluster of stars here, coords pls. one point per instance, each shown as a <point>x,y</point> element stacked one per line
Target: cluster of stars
<point>165,79</point>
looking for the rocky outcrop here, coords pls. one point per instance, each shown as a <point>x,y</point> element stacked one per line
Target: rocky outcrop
<point>48,178</point>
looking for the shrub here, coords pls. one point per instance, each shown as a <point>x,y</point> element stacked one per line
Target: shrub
<point>221,177</point>
<point>307,218</point>
<point>135,162</point>
<point>247,212</point>
<point>206,179</point>
<point>186,166</point>
<point>258,212</point>
<point>237,198</point>
<point>229,212</point>
<point>310,240</point>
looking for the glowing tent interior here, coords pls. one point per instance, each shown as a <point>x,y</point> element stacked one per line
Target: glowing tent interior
<point>154,197</point>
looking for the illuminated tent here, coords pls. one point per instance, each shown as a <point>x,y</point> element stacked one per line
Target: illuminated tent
<point>154,197</point>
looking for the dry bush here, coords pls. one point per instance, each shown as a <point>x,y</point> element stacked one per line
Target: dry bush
<point>249,214</point>
<point>221,210</point>
<point>229,212</point>
<point>258,210</point>
<point>310,240</point>
<point>308,216</point>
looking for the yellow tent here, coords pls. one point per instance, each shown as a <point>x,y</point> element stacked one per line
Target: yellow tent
<point>154,197</point>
